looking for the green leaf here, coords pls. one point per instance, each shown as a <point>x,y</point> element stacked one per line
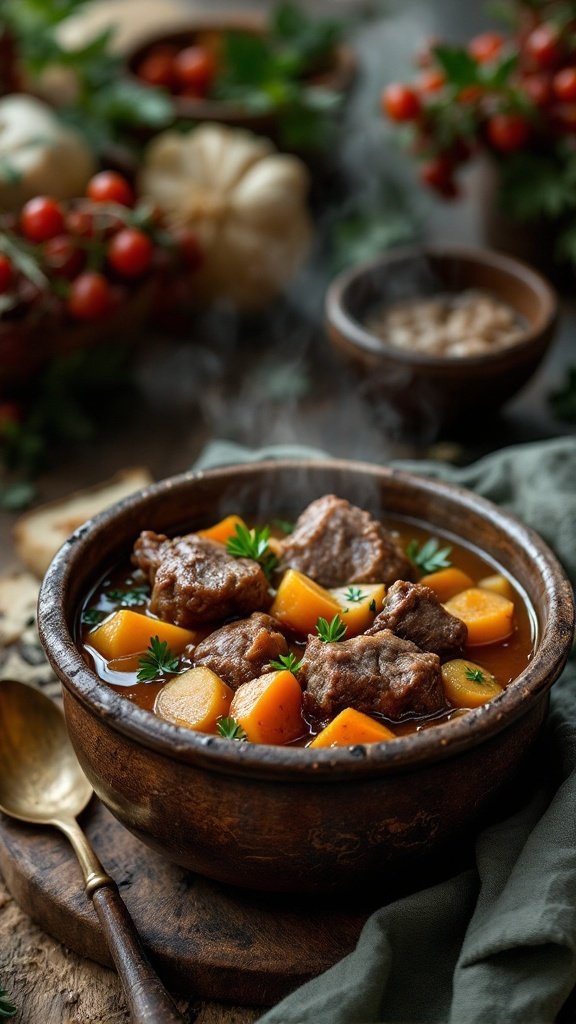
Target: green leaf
<point>286,525</point>
<point>253,544</point>
<point>158,661</point>
<point>534,185</point>
<point>354,594</point>
<point>331,632</point>
<point>230,729</point>
<point>288,662</point>
<point>430,556</point>
<point>475,675</point>
<point>460,69</point>
<point>92,616</point>
<point>129,598</point>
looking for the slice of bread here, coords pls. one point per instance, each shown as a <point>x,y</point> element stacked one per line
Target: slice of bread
<point>39,534</point>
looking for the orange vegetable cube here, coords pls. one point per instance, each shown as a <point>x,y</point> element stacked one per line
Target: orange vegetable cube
<point>498,584</point>
<point>447,582</point>
<point>359,604</point>
<point>488,616</point>
<point>127,632</point>
<point>223,530</point>
<point>351,727</point>
<point>269,708</point>
<point>195,699</point>
<point>300,602</point>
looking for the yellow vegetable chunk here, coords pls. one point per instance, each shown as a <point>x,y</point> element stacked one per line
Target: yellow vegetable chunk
<point>355,603</point>
<point>447,582</point>
<point>498,584</point>
<point>127,632</point>
<point>351,727</point>
<point>269,708</point>
<point>488,616</point>
<point>468,685</point>
<point>196,699</point>
<point>223,530</point>
<point>300,602</point>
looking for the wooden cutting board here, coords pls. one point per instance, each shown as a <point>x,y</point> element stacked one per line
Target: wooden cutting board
<point>206,939</point>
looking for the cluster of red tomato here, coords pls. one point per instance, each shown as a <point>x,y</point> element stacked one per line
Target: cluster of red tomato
<point>186,71</point>
<point>535,100</point>
<point>89,248</point>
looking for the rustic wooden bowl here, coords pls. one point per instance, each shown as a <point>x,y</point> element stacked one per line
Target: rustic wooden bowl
<point>293,819</point>
<point>439,391</point>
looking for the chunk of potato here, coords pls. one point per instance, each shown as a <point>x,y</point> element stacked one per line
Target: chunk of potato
<point>351,727</point>
<point>359,604</point>
<point>468,685</point>
<point>488,616</point>
<point>195,699</point>
<point>498,584</point>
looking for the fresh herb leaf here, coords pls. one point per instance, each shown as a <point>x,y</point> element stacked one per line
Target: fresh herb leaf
<point>7,1009</point>
<point>430,556</point>
<point>129,598</point>
<point>287,661</point>
<point>372,605</point>
<point>230,729</point>
<point>253,544</point>
<point>354,594</point>
<point>92,616</point>
<point>459,67</point>
<point>475,675</point>
<point>159,660</point>
<point>331,632</point>
<point>286,525</point>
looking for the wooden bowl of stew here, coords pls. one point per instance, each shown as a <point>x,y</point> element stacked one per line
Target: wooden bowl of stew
<point>433,370</point>
<point>294,817</point>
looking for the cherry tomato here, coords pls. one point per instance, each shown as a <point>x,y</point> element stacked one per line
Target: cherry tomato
<point>157,68</point>
<point>130,252</point>
<point>470,93</point>
<point>41,218</point>
<point>538,86</point>
<point>63,257</point>
<point>438,174</point>
<point>430,81</point>
<point>542,46</point>
<point>80,223</point>
<point>485,47</point>
<point>110,187</point>
<point>508,132</point>
<point>89,296</point>
<point>400,102</point>
<point>195,69</point>
<point>564,84</point>
<point>6,273</point>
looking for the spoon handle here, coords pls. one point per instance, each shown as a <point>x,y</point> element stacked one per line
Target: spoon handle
<point>148,1000</point>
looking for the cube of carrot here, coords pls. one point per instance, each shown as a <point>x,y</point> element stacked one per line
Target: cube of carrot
<point>300,602</point>
<point>359,604</point>
<point>269,708</point>
<point>223,530</point>
<point>127,632</point>
<point>447,582</point>
<point>351,727</point>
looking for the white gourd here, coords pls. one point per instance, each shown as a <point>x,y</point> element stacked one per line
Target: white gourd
<point>38,154</point>
<point>245,201</point>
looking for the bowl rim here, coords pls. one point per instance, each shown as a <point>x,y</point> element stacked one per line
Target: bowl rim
<point>358,336</point>
<point>291,763</point>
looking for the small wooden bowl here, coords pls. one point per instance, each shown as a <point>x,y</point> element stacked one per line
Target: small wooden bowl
<point>439,391</point>
<point>293,819</point>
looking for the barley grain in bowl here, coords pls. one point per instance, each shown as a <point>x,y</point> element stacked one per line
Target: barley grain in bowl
<point>310,803</point>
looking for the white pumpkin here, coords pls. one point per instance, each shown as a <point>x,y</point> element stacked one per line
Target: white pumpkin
<point>245,201</point>
<point>38,154</point>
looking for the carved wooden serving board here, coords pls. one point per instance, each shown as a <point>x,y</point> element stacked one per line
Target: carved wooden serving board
<point>206,939</point>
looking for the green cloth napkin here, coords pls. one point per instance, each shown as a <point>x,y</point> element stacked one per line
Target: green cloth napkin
<point>495,944</point>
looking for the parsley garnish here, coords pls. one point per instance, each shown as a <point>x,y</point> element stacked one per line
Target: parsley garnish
<point>372,605</point>
<point>331,632</point>
<point>430,556</point>
<point>253,544</point>
<point>129,598</point>
<point>7,1009</point>
<point>287,661</point>
<point>159,660</point>
<point>92,616</point>
<point>476,675</point>
<point>230,729</point>
<point>286,525</point>
<point>354,594</point>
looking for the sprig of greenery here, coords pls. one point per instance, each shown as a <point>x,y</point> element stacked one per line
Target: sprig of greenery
<point>7,1009</point>
<point>287,661</point>
<point>158,661</point>
<point>129,598</point>
<point>253,544</point>
<point>331,632</point>
<point>355,594</point>
<point>230,729</point>
<point>475,675</point>
<point>430,556</point>
<point>92,616</point>
<point>286,525</point>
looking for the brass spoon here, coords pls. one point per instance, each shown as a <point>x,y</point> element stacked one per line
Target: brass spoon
<point>41,782</point>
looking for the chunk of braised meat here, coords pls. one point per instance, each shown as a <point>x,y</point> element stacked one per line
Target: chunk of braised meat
<point>412,611</point>
<point>379,674</point>
<point>195,580</point>
<point>335,543</point>
<point>241,650</point>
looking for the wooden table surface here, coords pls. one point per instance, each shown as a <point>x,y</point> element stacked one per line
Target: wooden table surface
<point>217,380</point>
